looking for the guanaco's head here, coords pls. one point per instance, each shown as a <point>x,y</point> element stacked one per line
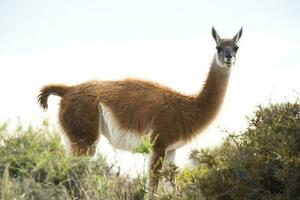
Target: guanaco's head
<point>226,48</point>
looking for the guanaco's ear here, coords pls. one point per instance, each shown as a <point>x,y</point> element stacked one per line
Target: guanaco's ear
<point>215,35</point>
<point>238,35</point>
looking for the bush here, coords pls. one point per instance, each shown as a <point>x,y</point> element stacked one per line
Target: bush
<point>33,165</point>
<point>263,162</point>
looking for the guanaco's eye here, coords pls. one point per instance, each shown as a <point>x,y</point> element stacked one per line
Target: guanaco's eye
<point>235,49</point>
<point>219,49</point>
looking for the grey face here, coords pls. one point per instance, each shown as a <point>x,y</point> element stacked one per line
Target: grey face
<point>226,49</point>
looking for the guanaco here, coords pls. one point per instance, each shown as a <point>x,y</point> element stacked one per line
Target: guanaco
<point>124,111</point>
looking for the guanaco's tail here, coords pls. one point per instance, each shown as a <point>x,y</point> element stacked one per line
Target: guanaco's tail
<point>47,90</point>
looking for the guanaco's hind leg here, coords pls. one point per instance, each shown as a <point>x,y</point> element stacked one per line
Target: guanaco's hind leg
<point>82,142</point>
<point>82,130</point>
<point>83,146</point>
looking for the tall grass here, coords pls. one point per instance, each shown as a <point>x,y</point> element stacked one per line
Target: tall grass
<point>33,165</point>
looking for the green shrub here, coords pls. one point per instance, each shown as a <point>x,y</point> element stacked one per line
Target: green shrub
<point>33,165</point>
<point>145,147</point>
<point>263,162</point>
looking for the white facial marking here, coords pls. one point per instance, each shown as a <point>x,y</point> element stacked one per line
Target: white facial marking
<point>233,61</point>
<point>223,64</point>
<point>219,62</point>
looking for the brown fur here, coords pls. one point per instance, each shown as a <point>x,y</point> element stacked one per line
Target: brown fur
<point>46,91</point>
<point>138,106</point>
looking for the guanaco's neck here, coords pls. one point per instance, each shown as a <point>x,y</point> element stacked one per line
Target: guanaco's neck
<point>210,98</point>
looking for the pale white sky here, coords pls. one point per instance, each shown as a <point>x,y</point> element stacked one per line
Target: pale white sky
<point>168,42</point>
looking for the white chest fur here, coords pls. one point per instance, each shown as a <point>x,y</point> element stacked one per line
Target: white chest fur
<point>117,137</point>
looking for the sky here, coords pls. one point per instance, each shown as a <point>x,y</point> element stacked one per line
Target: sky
<point>168,42</point>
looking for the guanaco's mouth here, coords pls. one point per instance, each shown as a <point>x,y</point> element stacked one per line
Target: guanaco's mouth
<point>228,63</point>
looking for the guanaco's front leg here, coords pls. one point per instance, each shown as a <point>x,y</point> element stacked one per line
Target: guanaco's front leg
<point>156,163</point>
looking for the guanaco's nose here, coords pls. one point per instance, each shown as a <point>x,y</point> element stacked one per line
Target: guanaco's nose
<point>229,56</point>
<point>228,53</point>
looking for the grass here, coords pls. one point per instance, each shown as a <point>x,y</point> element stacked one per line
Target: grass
<point>263,162</point>
<point>33,165</point>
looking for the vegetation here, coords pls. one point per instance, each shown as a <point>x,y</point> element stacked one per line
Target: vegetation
<point>33,165</point>
<point>263,162</point>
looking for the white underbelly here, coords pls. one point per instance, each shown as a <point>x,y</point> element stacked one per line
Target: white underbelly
<point>124,139</point>
<point>117,137</point>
